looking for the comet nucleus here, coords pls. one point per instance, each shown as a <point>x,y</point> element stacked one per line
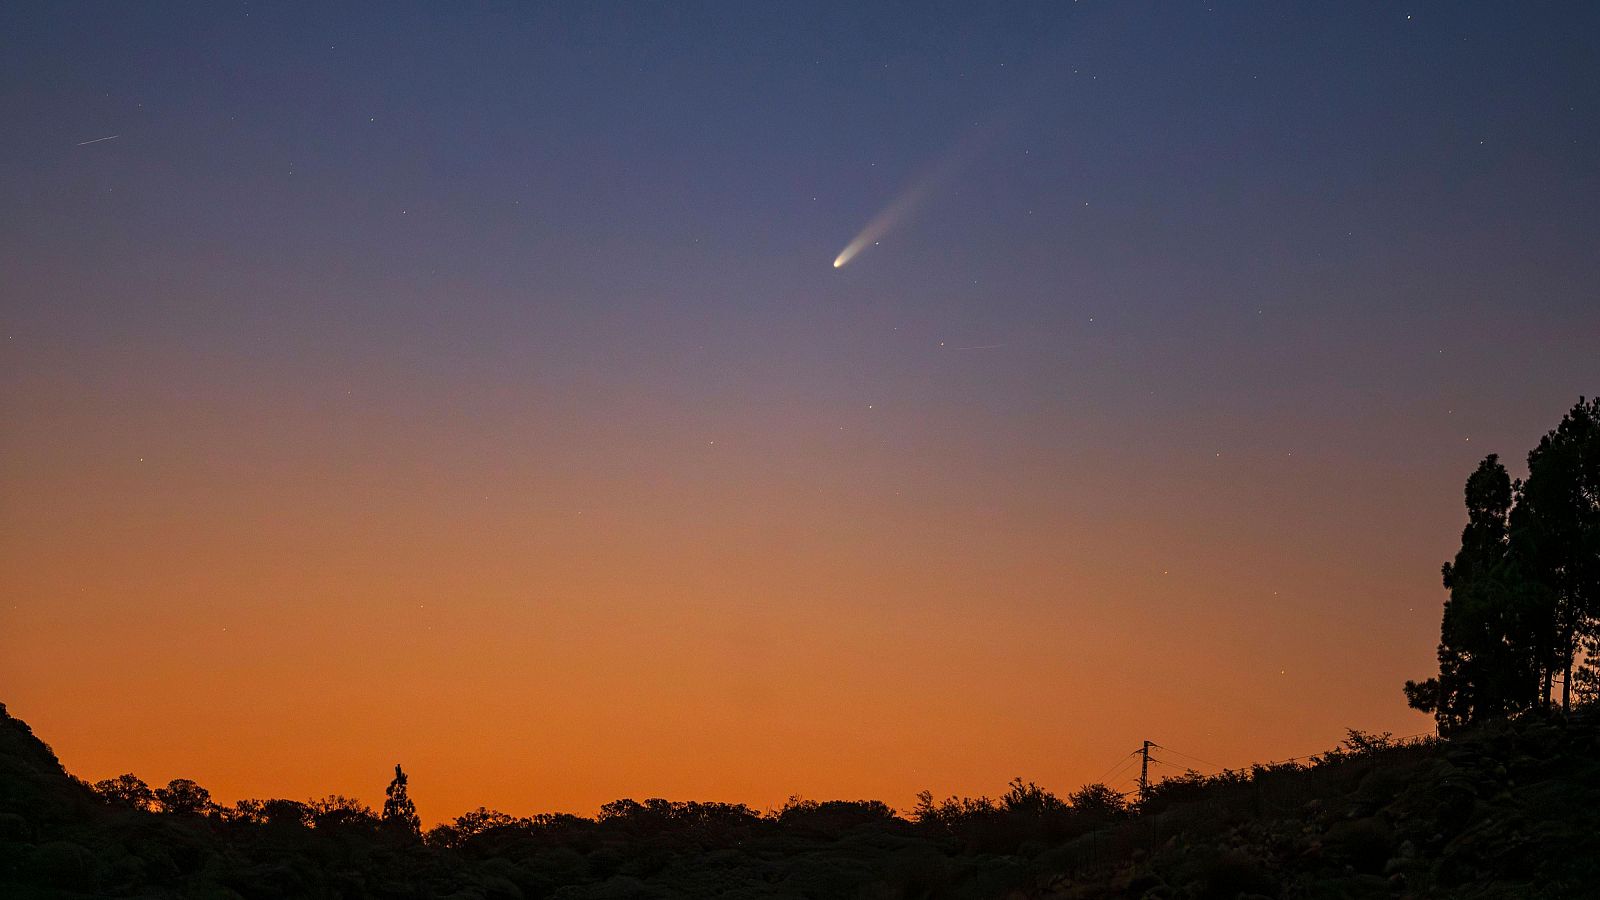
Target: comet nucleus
<point>932,177</point>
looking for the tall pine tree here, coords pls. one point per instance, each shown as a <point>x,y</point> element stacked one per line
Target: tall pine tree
<point>1555,532</point>
<point>399,813</point>
<point>1478,637</point>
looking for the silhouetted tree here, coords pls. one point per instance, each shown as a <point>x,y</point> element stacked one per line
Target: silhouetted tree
<point>1485,663</point>
<point>183,797</point>
<point>126,790</point>
<point>1556,533</point>
<point>471,824</point>
<point>339,811</point>
<point>285,813</point>
<point>248,810</point>
<point>399,813</point>
<point>832,816</point>
<point>659,816</point>
<point>481,820</point>
<point>277,813</point>
<point>1525,585</point>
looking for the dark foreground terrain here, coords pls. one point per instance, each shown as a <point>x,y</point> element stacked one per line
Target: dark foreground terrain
<point>1506,810</point>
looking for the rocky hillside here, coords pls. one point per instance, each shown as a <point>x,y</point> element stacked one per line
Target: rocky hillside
<point>1508,810</point>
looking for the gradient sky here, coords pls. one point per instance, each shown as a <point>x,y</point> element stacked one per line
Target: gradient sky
<point>471,386</point>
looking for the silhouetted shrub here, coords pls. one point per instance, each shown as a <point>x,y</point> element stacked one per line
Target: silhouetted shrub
<point>952,811</point>
<point>1098,803</point>
<point>1030,799</point>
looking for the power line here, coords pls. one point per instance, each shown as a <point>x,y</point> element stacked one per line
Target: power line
<point>1115,766</point>
<point>1111,776</point>
<point>1191,756</point>
<point>1274,762</point>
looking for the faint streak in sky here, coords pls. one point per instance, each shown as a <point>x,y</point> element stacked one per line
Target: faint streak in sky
<point>932,177</point>
<point>98,140</point>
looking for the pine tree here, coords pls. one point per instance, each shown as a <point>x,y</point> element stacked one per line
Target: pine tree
<point>1524,605</point>
<point>1556,531</point>
<point>1478,637</point>
<point>399,813</point>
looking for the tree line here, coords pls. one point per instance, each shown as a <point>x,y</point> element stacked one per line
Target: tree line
<point>1091,806</point>
<point>185,797</point>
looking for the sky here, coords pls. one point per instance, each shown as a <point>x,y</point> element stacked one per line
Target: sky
<point>472,386</point>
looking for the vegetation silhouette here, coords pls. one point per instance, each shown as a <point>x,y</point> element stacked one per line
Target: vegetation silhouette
<point>1524,608</point>
<point>399,813</point>
<point>1506,803</point>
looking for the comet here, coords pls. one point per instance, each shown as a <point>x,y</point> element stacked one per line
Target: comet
<point>930,180</point>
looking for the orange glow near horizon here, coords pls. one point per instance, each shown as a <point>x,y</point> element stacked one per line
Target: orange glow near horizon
<point>287,603</point>
<point>465,386</point>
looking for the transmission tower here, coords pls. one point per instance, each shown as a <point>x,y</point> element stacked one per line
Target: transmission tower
<point>1144,771</point>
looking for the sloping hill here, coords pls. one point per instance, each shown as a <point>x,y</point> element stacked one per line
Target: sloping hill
<point>1507,810</point>
<point>34,789</point>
